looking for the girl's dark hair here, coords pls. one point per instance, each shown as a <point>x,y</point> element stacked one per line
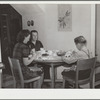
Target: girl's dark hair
<point>80,39</point>
<point>22,34</point>
<point>32,32</point>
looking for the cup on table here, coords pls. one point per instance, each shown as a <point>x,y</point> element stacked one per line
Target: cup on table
<point>54,52</point>
<point>50,52</point>
<point>42,50</point>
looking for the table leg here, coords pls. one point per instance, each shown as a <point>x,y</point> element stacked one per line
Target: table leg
<point>93,81</point>
<point>53,76</point>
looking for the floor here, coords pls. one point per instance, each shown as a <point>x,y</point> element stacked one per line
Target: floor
<point>44,86</point>
<point>48,85</point>
<point>8,83</point>
<point>58,85</point>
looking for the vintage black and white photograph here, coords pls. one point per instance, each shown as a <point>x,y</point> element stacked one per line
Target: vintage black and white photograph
<point>49,46</point>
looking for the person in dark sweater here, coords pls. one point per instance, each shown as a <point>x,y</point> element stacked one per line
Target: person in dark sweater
<point>36,45</point>
<point>22,52</point>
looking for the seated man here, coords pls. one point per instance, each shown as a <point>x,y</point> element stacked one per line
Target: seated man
<point>36,45</point>
<point>83,53</point>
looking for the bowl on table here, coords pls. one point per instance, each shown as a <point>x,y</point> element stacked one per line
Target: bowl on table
<point>61,53</point>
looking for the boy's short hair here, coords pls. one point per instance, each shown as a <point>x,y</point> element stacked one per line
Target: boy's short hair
<point>80,39</point>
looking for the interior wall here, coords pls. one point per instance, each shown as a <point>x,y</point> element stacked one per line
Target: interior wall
<point>98,31</point>
<point>39,24</point>
<point>81,25</point>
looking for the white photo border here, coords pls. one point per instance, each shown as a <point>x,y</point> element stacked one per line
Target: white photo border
<point>49,93</point>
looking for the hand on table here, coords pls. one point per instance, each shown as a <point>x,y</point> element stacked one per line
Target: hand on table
<point>32,56</point>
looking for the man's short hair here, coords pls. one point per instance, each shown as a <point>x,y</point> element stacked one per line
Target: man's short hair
<point>34,31</point>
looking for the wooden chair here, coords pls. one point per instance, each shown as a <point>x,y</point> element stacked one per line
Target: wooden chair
<point>17,74</point>
<point>86,66</point>
<point>97,73</point>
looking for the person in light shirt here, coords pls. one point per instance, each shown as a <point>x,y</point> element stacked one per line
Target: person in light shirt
<point>82,53</point>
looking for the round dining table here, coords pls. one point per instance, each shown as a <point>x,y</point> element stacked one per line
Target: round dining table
<point>53,62</point>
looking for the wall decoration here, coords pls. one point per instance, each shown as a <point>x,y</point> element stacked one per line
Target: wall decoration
<point>28,23</point>
<point>64,17</point>
<point>32,22</point>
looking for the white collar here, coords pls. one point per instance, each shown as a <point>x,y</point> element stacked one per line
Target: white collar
<point>34,42</point>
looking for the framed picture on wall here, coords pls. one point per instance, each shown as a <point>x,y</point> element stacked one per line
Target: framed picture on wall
<point>64,17</point>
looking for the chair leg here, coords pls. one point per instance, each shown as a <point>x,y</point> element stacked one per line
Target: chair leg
<point>76,85</point>
<point>92,81</point>
<point>91,85</point>
<point>26,85</point>
<point>40,81</point>
<point>64,83</point>
<point>14,84</point>
<point>31,85</point>
<point>35,83</point>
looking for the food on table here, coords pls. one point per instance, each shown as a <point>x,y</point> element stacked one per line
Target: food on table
<point>61,53</point>
<point>45,54</point>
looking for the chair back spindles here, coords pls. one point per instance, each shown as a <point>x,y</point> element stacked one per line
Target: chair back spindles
<point>16,71</point>
<point>84,73</point>
<point>85,66</point>
<point>19,81</point>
